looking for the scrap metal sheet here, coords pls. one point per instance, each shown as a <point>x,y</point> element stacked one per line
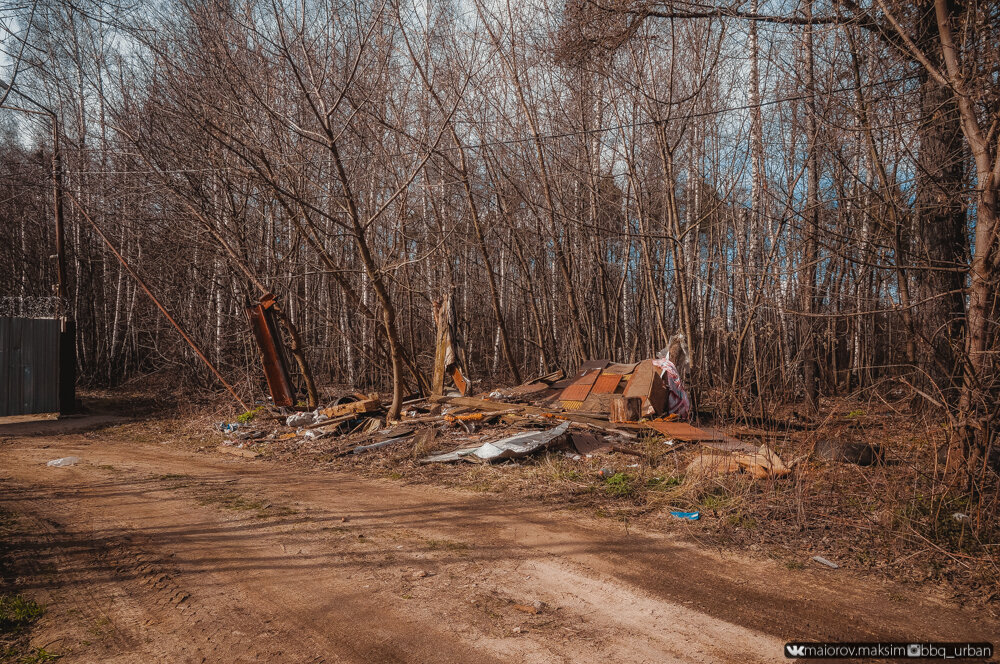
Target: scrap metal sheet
<point>590,365</point>
<point>606,383</point>
<point>512,447</point>
<point>621,369</point>
<point>579,390</point>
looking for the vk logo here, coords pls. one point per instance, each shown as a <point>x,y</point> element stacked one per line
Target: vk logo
<point>794,651</point>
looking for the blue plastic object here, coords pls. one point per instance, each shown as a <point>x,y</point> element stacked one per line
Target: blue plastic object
<point>690,516</point>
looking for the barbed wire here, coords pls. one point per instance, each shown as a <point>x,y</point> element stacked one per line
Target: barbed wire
<point>31,306</point>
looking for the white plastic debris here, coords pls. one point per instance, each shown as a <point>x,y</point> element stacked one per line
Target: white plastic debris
<point>64,461</point>
<point>959,516</point>
<point>300,419</point>
<point>512,447</point>
<point>823,561</point>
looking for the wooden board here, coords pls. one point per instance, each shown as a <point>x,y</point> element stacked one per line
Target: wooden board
<point>681,431</point>
<point>684,431</point>
<point>532,411</point>
<point>591,365</point>
<point>526,390</point>
<point>622,409</point>
<point>366,406</point>
<point>646,384</point>
<point>596,403</point>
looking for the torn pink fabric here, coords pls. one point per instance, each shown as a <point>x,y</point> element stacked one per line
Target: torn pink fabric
<point>677,399</point>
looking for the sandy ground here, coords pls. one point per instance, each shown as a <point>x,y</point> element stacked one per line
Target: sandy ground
<point>151,553</point>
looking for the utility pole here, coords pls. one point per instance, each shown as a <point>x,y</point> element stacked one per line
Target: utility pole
<point>57,206</point>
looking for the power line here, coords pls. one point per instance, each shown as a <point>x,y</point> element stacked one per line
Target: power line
<point>516,141</point>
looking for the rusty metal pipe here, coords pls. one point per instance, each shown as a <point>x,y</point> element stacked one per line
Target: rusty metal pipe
<point>159,306</point>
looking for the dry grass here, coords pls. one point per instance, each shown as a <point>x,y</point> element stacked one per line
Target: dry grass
<point>893,520</point>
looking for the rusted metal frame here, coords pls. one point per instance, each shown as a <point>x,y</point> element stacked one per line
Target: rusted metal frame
<point>261,317</point>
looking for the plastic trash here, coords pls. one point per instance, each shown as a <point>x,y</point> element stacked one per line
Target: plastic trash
<point>300,419</point>
<point>64,461</point>
<point>227,427</point>
<point>690,516</point>
<point>823,561</point>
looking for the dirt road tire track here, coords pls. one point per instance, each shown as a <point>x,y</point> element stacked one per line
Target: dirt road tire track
<point>150,553</point>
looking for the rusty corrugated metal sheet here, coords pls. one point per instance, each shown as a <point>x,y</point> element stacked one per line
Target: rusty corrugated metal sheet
<point>262,323</point>
<point>606,383</point>
<point>580,389</point>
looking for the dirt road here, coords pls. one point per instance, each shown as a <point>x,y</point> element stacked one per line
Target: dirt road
<point>151,553</point>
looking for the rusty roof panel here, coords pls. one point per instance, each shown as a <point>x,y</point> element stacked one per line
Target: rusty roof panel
<point>579,390</point>
<point>606,383</point>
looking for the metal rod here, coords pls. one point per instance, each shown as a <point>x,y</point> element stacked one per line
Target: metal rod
<point>162,309</point>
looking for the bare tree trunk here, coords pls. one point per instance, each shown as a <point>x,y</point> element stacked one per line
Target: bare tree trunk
<point>807,273</point>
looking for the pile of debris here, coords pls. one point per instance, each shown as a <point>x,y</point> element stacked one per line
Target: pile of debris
<point>601,407</point>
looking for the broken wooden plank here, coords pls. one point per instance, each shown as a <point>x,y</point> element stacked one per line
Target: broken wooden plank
<point>368,405</point>
<point>684,431</point>
<point>532,411</point>
<point>591,365</point>
<point>333,421</point>
<point>597,405</point>
<point>624,409</point>
<point>479,404</point>
<point>458,378</point>
<point>621,369</point>
<point>709,437</point>
<point>525,390</point>
<point>647,385</point>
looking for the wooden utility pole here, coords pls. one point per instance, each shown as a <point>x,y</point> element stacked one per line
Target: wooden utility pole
<point>57,206</point>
